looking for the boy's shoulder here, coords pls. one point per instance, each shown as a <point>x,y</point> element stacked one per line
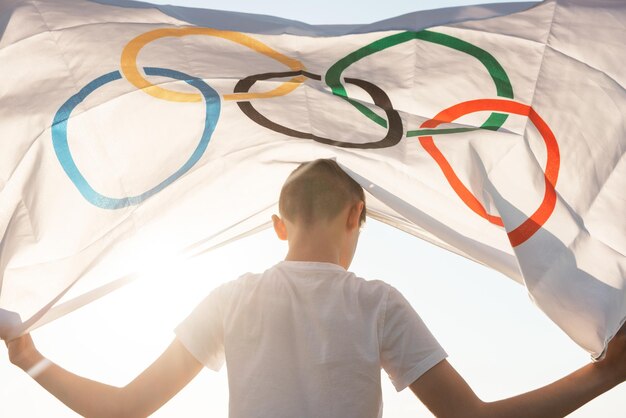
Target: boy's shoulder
<point>306,269</point>
<point>337,274</point>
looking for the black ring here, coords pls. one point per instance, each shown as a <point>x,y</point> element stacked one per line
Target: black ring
<point>381,100</point>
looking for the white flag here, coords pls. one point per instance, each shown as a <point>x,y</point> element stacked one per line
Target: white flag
<point>129,131</point>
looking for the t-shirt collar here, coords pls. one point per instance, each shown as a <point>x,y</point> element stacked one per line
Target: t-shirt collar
<point>310,265</point>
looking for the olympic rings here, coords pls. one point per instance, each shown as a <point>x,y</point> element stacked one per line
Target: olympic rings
<point>132,74</point>
<point>394,132</point>
<point>497,73</point>
<point>524,231</point>
<point>64,155</point>
<point>298,74</point>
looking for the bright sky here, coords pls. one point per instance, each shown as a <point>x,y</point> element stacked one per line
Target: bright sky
<point>495,337</point>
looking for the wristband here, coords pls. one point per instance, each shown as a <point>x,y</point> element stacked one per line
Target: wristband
<point>38,368</point>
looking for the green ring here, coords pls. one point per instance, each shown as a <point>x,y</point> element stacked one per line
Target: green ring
<point>497,73</point>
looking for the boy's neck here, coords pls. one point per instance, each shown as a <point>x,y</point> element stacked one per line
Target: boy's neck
<point>312,257</point>
<point>315,246</point>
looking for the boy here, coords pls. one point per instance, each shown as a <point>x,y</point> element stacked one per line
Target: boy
<point>307,338</point>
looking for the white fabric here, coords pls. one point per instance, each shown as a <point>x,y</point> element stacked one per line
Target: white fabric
<point>308,339</point>
<point>105,168</point>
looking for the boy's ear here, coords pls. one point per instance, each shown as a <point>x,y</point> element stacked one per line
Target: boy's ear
<point>279,228</point>
<point>354,216</point>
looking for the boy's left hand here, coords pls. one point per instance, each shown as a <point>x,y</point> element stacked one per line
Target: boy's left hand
<point>614,363</point>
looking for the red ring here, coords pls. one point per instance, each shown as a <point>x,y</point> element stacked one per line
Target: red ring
<point>524,231</point>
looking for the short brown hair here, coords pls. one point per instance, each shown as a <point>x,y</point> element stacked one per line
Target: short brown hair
<point>318,190</point>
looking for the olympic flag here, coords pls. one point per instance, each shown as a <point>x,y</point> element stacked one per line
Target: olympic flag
<point>129,131</point>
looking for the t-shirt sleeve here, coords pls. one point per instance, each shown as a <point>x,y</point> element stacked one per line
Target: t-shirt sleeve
<point>202,332</point>
<point>408,349</point>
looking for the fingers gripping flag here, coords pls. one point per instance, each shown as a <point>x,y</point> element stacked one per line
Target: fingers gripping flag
<point>129,130</point>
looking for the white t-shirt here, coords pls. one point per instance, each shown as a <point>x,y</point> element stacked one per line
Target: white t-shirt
<point>308,339</point>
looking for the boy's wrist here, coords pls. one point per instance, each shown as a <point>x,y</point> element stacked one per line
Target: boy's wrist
<point>30,361</point>
<point>608,373</point>
<point>38,368</point>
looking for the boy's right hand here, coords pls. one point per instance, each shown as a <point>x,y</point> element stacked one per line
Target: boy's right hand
<point>22,352</point>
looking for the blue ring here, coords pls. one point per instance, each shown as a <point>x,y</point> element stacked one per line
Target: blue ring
<point>62,150</point>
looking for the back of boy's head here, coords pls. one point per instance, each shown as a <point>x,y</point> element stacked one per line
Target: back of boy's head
<point>318,191</point>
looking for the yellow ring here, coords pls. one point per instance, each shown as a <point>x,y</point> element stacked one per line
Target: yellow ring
<point>132,74</point>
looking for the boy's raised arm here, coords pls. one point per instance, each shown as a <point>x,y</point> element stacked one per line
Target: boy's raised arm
<point>446,394</point>
<point>144,395</point>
